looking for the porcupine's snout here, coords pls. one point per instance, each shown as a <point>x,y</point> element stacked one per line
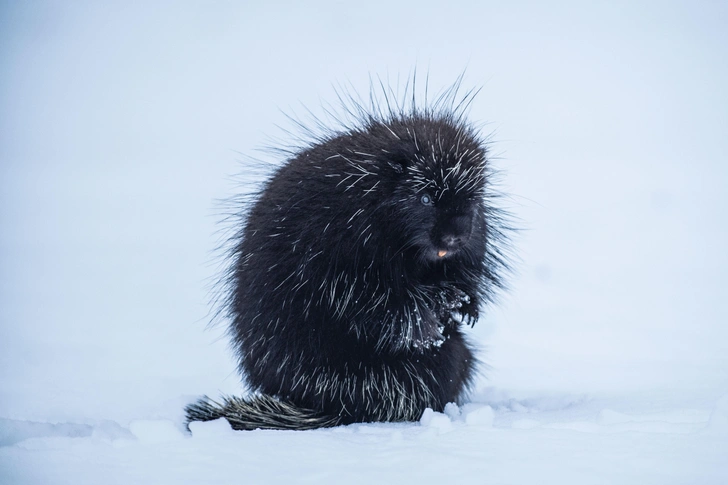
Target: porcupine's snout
<point>453,233</point>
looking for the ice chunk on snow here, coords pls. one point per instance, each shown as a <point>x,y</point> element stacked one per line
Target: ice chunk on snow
<point>432,419</point>
<point>478,414</point>
<point>210,429</point>
<point>452,410</point>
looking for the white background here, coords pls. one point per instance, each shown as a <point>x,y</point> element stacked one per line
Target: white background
<point>121,125</point>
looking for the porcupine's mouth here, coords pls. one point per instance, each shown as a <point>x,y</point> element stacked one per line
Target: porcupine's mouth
<point>440,253</point>
<point>436,253</point>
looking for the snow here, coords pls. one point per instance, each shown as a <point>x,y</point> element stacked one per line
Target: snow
<point>676,447</point>
<point>121,124</point>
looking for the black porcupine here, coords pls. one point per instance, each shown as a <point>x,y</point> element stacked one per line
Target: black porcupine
<point>357,266</point>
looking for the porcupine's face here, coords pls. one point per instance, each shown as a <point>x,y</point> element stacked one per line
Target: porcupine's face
<point>441,224</point>
<point>442,194</point>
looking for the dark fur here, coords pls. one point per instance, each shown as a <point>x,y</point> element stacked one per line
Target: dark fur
<point>341,309</point>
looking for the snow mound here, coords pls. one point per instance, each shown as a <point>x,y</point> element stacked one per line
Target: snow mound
<point>211,429</point>
<point>156,431</point>
<point>434,420</point>
<point>478,415</point>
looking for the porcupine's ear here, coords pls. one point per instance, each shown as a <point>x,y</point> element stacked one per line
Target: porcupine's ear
<point>396,164</point>
<point>400,159</point>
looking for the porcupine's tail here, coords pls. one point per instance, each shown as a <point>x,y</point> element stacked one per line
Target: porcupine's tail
<point>258,412</point>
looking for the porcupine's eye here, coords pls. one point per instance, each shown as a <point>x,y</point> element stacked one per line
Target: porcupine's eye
<point>426,199</point>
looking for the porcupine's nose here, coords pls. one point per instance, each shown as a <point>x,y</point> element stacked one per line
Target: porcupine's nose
<point>448,244</point>
<point>454,234</point>
<point>452,242</point>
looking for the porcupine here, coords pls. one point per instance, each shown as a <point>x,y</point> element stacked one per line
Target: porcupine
<point>357,266</point>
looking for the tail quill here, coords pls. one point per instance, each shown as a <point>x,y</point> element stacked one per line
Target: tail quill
<point>258,412</point>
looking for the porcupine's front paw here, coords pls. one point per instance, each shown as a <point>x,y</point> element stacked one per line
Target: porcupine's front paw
<point>454,305</point>
<point>469,312</point>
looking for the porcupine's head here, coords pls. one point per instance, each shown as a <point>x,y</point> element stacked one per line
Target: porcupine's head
<point>443,187</point>
<point>438,169</point>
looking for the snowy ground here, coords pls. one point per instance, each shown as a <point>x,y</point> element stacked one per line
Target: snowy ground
<point>558,440</point>
<point>119,127</point>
